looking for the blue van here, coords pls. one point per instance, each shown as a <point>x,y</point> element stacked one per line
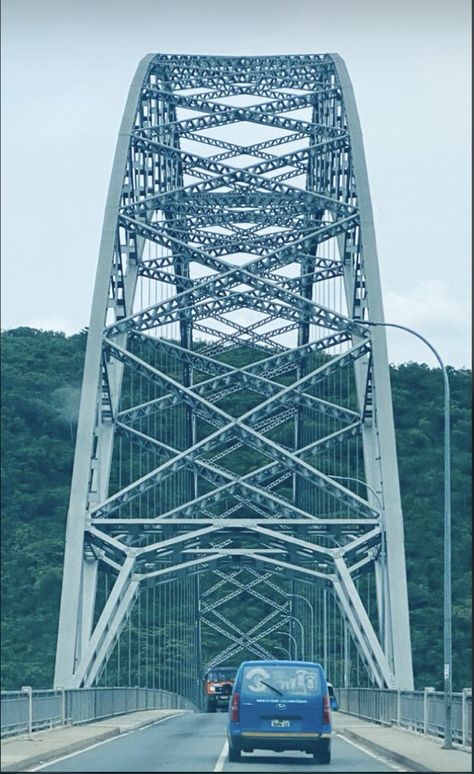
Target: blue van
<point>280,705</point>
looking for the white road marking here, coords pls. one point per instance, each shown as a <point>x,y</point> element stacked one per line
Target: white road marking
<point>98,744</point>
<point>221,759</point>
<point>380,758</point>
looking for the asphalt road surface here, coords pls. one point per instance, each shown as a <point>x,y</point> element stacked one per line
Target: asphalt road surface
<point>197,742</point>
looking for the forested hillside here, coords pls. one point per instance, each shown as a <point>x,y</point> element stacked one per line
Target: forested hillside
<point>41,378</point>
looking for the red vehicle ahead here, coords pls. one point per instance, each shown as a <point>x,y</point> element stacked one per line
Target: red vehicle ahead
<point>218,683</point>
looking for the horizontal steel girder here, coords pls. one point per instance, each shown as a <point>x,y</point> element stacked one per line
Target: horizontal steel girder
<point>262,221</point>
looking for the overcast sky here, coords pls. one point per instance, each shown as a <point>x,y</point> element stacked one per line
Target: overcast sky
<point>67,67</point>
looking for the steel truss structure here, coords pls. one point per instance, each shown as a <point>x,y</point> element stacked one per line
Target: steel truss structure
<point>236,429</point>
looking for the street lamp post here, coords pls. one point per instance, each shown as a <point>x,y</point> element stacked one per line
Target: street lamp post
<point>360,481</point>
<point>280,647</point>
<point>300,596</point>
<point>294,618</point>
<point>447,634</point>
<point>287,634</point>
<point>325,629</point>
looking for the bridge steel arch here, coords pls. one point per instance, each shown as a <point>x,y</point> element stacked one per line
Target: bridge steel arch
<point>235,437</point>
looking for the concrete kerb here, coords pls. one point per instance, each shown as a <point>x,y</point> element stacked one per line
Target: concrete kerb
<point>18,757</point>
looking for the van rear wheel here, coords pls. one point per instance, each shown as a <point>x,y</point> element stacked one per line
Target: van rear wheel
<point>323,752</point>
<point>234,753</point>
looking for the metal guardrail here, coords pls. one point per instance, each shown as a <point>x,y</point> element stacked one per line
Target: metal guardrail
<point>26,711</point>
<point>421,711</point>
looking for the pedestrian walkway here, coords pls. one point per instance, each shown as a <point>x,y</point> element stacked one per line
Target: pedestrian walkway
<point>416,752</point>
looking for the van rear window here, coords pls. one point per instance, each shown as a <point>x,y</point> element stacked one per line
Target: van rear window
<point>265,681</point>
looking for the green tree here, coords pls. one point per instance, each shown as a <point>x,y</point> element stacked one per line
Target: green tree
<point>41,378</point>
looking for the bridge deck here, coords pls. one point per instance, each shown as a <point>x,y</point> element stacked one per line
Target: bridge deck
<point>415,751</point>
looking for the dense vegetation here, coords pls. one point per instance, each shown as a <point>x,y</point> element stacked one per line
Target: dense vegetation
<point>41,377</point>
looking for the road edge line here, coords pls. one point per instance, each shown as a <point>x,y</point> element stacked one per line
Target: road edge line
<point>390,754</point>
<point>83,746</point>
<point>47,757</point>
<point>222,756</point>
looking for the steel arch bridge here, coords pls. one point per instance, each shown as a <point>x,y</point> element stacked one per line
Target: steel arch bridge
<point>235,486</point>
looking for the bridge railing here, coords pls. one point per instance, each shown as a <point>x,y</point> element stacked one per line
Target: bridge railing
<point>421,711</point>
<point>28,711</point>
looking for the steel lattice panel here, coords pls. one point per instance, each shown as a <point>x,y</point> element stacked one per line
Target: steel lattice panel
<point>234,407</point>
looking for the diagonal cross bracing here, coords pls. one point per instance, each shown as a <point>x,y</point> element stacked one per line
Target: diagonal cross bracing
<point>234,409</point>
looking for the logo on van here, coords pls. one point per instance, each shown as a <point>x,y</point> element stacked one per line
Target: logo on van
<point>281,706</point>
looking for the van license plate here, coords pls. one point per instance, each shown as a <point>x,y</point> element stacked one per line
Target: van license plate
<point>276,723</point>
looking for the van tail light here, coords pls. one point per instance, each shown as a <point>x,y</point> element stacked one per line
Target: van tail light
<point>235,707</point>
<point>326,710</point>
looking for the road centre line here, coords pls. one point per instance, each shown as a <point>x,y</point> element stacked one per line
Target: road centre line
<point>222,756</point>
<point>221,759</point>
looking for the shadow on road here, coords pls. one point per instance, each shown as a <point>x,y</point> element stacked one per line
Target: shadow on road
<point>278,758</point>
